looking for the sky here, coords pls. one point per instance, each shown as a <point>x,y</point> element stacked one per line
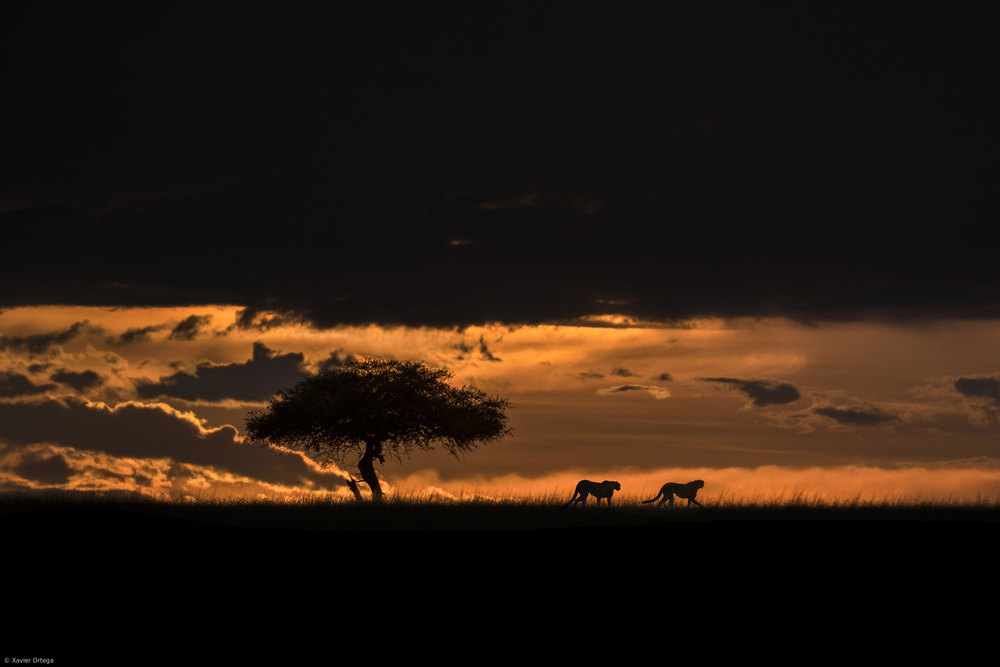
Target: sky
<point>748,243</point>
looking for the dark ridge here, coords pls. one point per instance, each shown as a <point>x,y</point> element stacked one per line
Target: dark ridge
<point>84,579</point>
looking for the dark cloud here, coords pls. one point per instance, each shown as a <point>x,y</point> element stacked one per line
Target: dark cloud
<point>656,392</point>
<point>625,388</point>
<point>13,385</point>
<point>984,393</point>
<point>484,351</point>
<point>132,430</point>
<point>38,344</point>
<point>482,347</point>
<point>81,381</point>
<point>463,349</point>
<point>45,469</point>
<point>190,327</point>
<point>988,388</point>
<point>855,416</point>
<point>761,392</point>
<point>664,377</point>
<point>485,164</point>
<point>255,380</point>
<point>252,319</point>
<point>622,372</point>
<point>336,360</point>
<point>136,335</point>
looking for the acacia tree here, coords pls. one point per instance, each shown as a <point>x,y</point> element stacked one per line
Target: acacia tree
<point>379,407</point>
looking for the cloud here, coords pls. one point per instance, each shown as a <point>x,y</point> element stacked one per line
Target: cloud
<point>856,416</point>
<point>984,393</point>
<point>485,354</point>
<point>981,387</point>
<point>569,202</point>
<point>762,393</point>
<point>253,319</point>
<point>655,392</point>
<point>190,327</point>
<point>81,381</point>
<point>484,351</point>
<point>38,344</point>
<point>335,359</point>
<point>136,335</point>
<point>255,380</point>
<point>45,469</point>
<point>135,431</point>
<point>15,384</point>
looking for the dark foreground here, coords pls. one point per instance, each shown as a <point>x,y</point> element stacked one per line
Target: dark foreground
<point>89,585</point>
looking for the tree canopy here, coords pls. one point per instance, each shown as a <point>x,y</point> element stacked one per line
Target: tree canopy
<point>379,407</point>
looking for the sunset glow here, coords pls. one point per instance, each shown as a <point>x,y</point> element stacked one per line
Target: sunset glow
<point>751,245</point>
<point>763,409</point>
<point>318,316</point>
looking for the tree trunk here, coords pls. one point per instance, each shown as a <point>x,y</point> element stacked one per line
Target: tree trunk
<point>373,450</point>
<point>353,485</point>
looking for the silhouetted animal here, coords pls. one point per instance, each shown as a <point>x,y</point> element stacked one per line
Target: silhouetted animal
<point>689,491</point>
<point>597,489</point>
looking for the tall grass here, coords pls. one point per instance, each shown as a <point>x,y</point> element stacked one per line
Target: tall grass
<point>481,509</point>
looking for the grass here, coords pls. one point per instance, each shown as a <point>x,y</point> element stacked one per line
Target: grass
<point>475,511</point>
